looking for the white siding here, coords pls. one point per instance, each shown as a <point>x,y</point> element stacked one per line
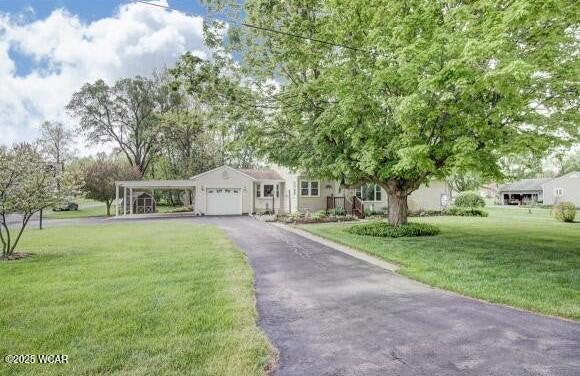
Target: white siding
<point>570,185</point>
<point>222,177</point>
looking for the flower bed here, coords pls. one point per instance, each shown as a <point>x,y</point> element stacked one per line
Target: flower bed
<point>306,217</point>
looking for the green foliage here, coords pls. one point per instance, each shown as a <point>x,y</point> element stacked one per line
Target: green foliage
<point>570,163</point>
<point>469,200</point>
<point>228,107</point>
<point>99,178</point>
<point>373,211</point>
<point>384,229</point>
<point>318,215</point>
<point>125,113</point>
<point>464,181</point>
<point>564,211</point>
<point>427,88</point>
<point>337,212</point>
<point>28,184</point>
<point>466,212</point>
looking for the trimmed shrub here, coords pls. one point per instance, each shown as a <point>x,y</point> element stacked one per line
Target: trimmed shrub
<point>466,212</point>
<point>564,211</point>
<point>379,212</point>
<point>318,215</point>
<point>384,229</point>
<point>337,212</point>
<point>426,213</point>
<point>469,200</point>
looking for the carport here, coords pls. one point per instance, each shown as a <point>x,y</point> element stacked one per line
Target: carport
<point>129,188</point>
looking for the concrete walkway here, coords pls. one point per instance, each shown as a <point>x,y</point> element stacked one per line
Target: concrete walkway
<point>331,314</point>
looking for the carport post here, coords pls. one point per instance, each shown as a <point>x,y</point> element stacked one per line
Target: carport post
<point>131,201</point>
<point>124,200</point>
<point>116,200</point>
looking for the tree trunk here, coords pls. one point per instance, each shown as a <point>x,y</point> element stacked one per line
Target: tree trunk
<point>108,203</point>
<point>397,208</point>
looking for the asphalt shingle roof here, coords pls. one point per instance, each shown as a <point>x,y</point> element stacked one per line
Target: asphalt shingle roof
<point>524,185</point>
<point>261,174</point>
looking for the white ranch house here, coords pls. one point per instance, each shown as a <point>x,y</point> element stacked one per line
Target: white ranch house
<point>230,191</point>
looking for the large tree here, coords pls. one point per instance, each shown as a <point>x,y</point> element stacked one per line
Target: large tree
<point>126,114</point>
<point>27,185</point>
<point>398,92</point>
<point>56,145</point>
<point>570,162</point>
<point>218,96</point>
<point>99,178</point>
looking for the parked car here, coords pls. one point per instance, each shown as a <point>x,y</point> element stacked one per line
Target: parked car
<point>67,206</point>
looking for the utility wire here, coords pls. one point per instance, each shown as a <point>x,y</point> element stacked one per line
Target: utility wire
<point>262,28</point>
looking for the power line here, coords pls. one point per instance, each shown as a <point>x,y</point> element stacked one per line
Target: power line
<point>263,28</point>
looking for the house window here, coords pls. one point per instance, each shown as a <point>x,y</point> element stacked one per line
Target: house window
<point>268,190</point>
<point>558,192</point>
<point>369,192</point>
<point>310,188</point>
<point>258,192</point>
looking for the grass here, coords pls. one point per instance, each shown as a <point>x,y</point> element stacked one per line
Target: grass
<point>87,208</point>
<point>512,257</point>
<point>138,299</point>
<point>92,208</point>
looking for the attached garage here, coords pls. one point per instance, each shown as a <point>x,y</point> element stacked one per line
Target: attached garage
<point>223,201</point>
<point>223,191</point>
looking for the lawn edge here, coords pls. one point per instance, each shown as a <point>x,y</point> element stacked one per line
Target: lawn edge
<point>271,365</point>
<point>369,257</point>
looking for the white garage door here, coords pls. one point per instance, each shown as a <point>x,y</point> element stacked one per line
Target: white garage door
<point>224,201</point>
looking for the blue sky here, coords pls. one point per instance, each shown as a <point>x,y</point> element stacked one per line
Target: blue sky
<point>86,10</point>
<point>50,48</point>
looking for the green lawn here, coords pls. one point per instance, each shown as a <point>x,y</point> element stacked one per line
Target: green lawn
<point>513,257</point>
<point>87,208</point>
<point>92,208</point>
<point>138,299</point>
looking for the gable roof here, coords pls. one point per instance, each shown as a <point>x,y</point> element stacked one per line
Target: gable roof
<point>570,175</point>
<point>262,174</point>
<point>525,185</point>
<point>223,167</point>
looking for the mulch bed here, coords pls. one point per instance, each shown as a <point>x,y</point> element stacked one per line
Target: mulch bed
<point>16,256</point>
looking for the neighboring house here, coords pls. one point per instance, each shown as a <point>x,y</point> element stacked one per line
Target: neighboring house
<point>548,191</point>
<point>229,191</point>
<point>563,188</point>
<point>521,192</point>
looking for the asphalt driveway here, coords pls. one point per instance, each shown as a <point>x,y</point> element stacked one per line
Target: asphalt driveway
<point>331,314</point>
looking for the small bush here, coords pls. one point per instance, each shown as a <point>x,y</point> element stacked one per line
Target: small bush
<point>469,200</point>
<point>317,215</point>
<point>426,213</point>
<point>564,211</point>
<point>337,212</point>
<point>466,212</point>
<point>384,229</point>
<point>376,212</point>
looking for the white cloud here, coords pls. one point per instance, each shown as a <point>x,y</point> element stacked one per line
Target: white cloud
<point>68,52</point>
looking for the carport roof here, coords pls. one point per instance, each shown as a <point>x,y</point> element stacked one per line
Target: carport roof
<point>158,184</point>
